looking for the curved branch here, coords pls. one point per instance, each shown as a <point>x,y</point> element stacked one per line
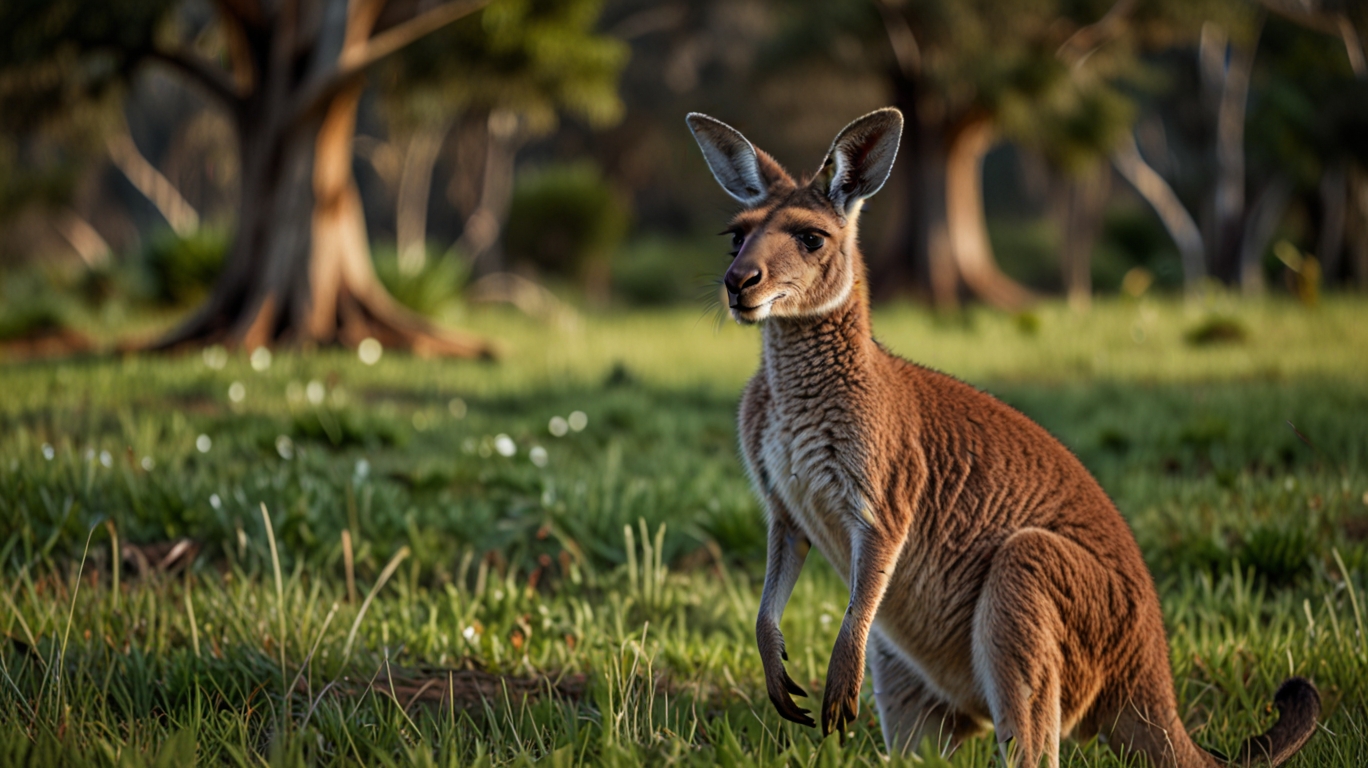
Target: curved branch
<point>1165,202</point>
<point>212,77</point>
<point>1087,39</point>
<point>355,60</point>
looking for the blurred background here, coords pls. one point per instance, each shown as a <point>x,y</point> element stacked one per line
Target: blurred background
<point>231,170</point>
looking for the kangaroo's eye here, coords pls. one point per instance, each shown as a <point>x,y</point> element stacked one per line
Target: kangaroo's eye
<point>810,240</point>
<point>737,239</point>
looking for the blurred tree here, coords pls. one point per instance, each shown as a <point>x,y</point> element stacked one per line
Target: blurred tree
<point>1046,74</point>
<point>290,74</point>
<point>502,79</point>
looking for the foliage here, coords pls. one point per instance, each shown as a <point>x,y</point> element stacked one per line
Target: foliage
<point>534,58</point>
<point>655,271</point>
<point>1256,539</point>
<point>565,219</point>
<point>440,281</point>
<point>181,270</point>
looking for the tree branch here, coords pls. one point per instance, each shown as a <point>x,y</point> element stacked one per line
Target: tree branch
<point>213,78</point>
<point>354,61</point>
<point>1089,38</point>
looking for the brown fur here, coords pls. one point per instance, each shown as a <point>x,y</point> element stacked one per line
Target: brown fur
<point>992,581</point>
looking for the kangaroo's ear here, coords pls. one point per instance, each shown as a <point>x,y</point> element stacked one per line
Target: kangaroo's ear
<point>861,157</point>
<point>745,172</point>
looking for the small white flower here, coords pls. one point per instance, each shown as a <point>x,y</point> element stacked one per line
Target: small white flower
<point>148,463</point>
<point>260,359</point>
<point>558,427</point>
<point>537,455</point>
<point>362,469</point>
<point>106,459</point>
<point>315,392</point>
<point>369,350</point>
<point>204,443</point>
<point>826,619</point>
<point>48,452</point>
<point>285,447</point>
<point>578,421</point>
<point>469,634</point>
<point>505,445</point>
<point>457,406</point>
<point>215,501</point>
<point>1290,483</point>
<point>236,392</point>
<point>215,357</point>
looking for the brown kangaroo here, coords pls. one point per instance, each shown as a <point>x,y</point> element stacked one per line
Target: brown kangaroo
<point>992,581</point>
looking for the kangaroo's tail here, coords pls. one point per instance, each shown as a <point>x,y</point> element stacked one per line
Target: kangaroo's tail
<point>1299,705</point>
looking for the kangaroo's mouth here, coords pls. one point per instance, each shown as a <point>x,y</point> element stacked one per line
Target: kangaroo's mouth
<point>754,313</point>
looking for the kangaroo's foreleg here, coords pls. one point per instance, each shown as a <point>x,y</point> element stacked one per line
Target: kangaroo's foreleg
<point>873,554</point>
<point>788,549</point>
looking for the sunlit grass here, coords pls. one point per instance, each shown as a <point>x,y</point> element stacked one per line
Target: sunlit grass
<point>519,561</point>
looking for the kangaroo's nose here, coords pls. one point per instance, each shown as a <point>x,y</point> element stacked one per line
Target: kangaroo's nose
<point>738,280</point>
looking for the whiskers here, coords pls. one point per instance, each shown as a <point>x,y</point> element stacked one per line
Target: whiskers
<point>711,293</point>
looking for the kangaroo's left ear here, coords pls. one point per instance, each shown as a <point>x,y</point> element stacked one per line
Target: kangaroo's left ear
<point>861,157</point>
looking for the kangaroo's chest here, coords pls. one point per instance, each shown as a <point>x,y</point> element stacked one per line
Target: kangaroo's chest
<point>812,461</point>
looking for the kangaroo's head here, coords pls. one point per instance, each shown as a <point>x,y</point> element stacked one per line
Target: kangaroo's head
<point>794,245</point>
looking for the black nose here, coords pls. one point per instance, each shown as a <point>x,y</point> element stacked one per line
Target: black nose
<point>738,280</point>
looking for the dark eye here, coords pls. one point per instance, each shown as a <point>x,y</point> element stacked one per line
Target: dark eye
<point>737,239</point>
<point>810,240</point>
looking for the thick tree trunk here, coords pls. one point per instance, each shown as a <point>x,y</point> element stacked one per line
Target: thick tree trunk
<point>940,244</point>
<point>966,223</point>
<point>299,269</point>
<point>917,254</point>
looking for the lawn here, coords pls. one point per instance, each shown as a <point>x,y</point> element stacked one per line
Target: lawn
<point>557,556</point>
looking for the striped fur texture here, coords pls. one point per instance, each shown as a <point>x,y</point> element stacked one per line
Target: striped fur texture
<point>992,581</point>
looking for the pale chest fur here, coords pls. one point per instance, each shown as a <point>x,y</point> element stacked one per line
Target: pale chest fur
<point>810,456</point>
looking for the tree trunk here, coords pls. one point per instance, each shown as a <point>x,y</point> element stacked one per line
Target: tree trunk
<point>299,268</point>
<point>1229,198</point>
<point>966,224</point>
<point>917,254</point>
<point>480,237</point>
<point>1260,224</point>
<point>411,204</point>
<point>1081,218</point>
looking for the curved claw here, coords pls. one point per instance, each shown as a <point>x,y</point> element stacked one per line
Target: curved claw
<point>838,711</point>
<point>791,711</point>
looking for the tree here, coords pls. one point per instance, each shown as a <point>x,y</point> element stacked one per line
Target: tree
<point>290,74</point>
<point>502,79</point>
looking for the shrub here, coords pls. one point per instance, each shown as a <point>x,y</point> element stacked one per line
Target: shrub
<point>439,282</point>
<point>565,220</point>
<point>181,270</point>
<point>654,271</point>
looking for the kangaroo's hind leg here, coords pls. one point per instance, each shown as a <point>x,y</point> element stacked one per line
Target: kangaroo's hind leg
<point>909,711</point>
<point>1036,672</point>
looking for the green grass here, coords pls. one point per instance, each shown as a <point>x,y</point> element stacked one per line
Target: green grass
<point>1258,540</point>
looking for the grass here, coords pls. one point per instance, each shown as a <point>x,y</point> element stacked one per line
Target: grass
<point>620,570</point>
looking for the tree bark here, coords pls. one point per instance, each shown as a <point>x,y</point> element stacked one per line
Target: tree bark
<point>966,223</point>
<point>299,269</point>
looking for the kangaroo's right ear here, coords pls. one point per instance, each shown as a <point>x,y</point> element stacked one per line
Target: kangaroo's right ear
<point>745,172</point>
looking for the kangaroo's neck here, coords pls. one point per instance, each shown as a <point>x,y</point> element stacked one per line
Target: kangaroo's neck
<point>825,356</point>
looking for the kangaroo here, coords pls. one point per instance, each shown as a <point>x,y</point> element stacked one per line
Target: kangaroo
<point>992,581</point>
